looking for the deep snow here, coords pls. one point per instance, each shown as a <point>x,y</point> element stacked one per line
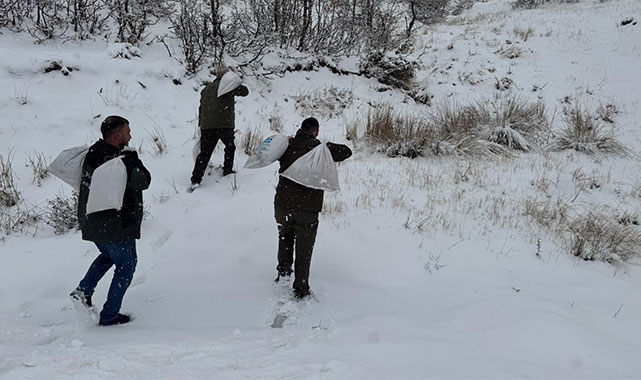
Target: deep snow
<point>418,273</point>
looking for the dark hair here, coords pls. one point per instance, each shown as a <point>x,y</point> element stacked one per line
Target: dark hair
<point>111,123</point>
<point>309,125</point>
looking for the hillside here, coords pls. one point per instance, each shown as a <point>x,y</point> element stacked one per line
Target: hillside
<point>440,266</point>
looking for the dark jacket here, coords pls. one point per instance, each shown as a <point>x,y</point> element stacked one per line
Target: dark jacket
<point>112,225</point>
<point>293,196</point>
<point>218,112</point>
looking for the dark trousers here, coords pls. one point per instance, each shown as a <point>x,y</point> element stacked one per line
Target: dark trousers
<point>122,254</point>
<point>208,140</point>
<point>296,230</point>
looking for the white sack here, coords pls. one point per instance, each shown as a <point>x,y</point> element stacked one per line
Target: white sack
<point>108,184</point>
<point>195,151</point>
<point>315,169</point>
<point>68,165</point>
<point>270,150</point>
<point>229,82</point>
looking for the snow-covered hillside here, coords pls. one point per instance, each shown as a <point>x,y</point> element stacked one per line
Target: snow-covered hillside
<point>434,267</point>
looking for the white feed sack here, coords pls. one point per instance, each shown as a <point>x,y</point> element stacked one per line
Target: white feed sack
<point>68,165</point>
<point>229,82</point>
<point>270,150</point>
<point>316,169</point>
<point>108,184</point>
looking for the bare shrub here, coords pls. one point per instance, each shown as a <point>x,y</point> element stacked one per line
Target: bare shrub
<point>134,17</point>
<point>38,164</point>
<point>19,219</point>
<point>60,213</point>
<point>194,28</point>
<point>513,122</point>
<point>9,195</point>
<point>327,102</point>
<point>251,140</point>
<point>582,132</point>
<point>598,237</point>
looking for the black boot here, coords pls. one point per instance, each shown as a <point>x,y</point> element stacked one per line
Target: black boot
<point>119,320</point>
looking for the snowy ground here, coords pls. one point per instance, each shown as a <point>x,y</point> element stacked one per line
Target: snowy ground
<point>423,268</point>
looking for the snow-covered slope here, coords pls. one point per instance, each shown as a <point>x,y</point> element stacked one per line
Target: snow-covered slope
<point>424,268</point>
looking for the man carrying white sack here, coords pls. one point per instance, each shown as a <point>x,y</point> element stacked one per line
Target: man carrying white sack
<point>113,230</point>
<point>296,208</point>
<point>216,120</point>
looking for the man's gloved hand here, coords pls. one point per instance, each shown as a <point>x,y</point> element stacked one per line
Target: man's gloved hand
<point>130,159</point>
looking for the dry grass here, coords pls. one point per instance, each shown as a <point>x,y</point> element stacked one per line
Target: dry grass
<point>19,219</point>
<point>158,141</point>
<point>514,123</point>
<point>251,140</point>
<point>523,34</point>
<point>396,134</point>
<point>9,195</point>
<point>38,164</point>
<point>599,237</point>
<point>584,133</point>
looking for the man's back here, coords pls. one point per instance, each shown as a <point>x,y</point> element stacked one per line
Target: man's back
<point>215,111</point>
<point>292,195</point>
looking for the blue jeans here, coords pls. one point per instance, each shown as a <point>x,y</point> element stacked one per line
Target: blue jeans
<point>122,254</point>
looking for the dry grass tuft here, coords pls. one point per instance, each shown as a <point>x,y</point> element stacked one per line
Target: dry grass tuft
<point>514,123</point>
<point>597,237</point>
<point>251,140</point>
<point>9,195</point>
<point>584,133</point>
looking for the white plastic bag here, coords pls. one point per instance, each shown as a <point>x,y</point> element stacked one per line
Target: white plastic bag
<point>270,150</point>
<point>315,169</point>
<point>108,184</point>
<point>229,82</point>
<point>195,151</point>
<point>68,165</point>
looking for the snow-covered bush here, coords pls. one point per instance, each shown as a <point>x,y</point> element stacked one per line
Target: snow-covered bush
<point>390,68</point>
<point>327,102</point>
<point>123,50</point>
<point>61,213</point>
<point>513,122</point>
<point>602,238</point>
<point>583,132</point>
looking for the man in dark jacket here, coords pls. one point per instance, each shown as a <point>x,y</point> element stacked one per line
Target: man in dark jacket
<point>113,231</point>
<point>296,209</point>
<point>216,119</point>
